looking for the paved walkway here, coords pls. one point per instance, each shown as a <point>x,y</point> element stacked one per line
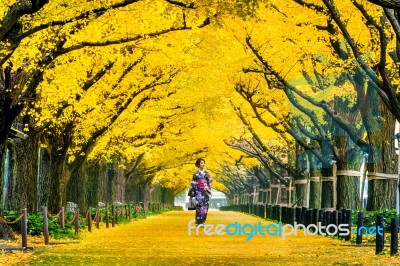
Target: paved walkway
<point>163,240</point>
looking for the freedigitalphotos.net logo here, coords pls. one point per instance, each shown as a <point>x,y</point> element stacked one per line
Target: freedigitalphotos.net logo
<point>251,230</point>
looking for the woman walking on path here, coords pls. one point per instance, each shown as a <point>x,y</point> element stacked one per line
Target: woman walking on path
<point>200,189</point>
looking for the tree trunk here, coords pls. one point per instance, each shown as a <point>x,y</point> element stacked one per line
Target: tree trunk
<point>382,191</point>
<point>120,185</point>
<point>300,181</point>
<point>102,181</point>
<point>57,177</point>
<point>111,173</point>
<point>348,176</point>
<point>315,173</point>
<point>301,192</point>
<point>145,193</point>
<point>92,193</point>
<point>156,195</point>
<point>131,191</point>
<point>76,187</point>
<point>8,178</point>
<point>167,196</point>
<point>348,188</point>
<point>25,174</point>
<point>378,200</point>
<point>348,158</point>
<point>2,171</point>
<point>327,196</point>
<point>44,178</point>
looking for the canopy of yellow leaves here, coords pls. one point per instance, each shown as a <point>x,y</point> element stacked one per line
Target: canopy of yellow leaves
<point>191,115</point>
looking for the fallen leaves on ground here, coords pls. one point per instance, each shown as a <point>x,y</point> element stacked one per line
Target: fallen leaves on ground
<point>164,240</point>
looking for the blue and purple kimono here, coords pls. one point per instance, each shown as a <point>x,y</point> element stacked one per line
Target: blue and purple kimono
<point>200,189</point>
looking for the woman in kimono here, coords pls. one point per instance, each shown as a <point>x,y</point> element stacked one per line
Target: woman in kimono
<point>200,189</point>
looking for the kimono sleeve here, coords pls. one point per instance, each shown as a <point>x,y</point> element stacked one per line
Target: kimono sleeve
<point>192,188</point>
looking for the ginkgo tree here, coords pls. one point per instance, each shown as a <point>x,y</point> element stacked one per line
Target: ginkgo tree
<point>322,80</point>
<point>40,41</point>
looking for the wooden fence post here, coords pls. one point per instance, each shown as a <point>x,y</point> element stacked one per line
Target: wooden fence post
<point>116,214</point>
<point>76,220</point>
<point>107,218</point>
<point>62,218</point>
<point>129,211</point>
<point>113,215</point>
<point>45,226</point>
<point>89,220</point>
<point>97,217</point>
<point>24,228</point>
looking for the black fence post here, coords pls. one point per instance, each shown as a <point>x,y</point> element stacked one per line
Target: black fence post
<point>278,213</point>
<point>349,222</point>
<point>332,219</point>
<point>273,212</point>
<point>342,219</point>
<point>315,216</point>
<point>299,215</point>
<point>291,216</point>
<point>269,212</point>
<point>304,216</point>
<point>360,223</point>
<point>308,217</point>
<point>394,236</point>
<point>380,233</point>
<point>321,214</point>
<point>284,214</point>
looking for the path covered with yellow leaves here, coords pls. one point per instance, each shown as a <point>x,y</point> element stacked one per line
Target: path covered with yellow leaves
<point>163,240</point>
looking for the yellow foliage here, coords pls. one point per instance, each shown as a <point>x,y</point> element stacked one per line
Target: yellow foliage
<point>190,115</point>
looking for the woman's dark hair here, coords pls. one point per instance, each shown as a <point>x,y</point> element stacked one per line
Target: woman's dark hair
<point>198,161</point>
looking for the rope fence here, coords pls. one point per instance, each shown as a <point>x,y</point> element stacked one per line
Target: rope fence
<point>13,222</point>
<point>101,214</point>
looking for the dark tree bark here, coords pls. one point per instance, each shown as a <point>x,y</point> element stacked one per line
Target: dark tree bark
<point>315,173</point>
<point>327,194</point>
<point>58,177</point>
<point>394,4</point>
<point>9,160</point>
<point>25,171</point>
<point>44,178</point>
<point>300,181</point>
<point>167,196</point>
<point>382,192</point>
<point>111,174</point>
<point>93,183</point>
<point>76,187</point>
<point>348,185</point>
